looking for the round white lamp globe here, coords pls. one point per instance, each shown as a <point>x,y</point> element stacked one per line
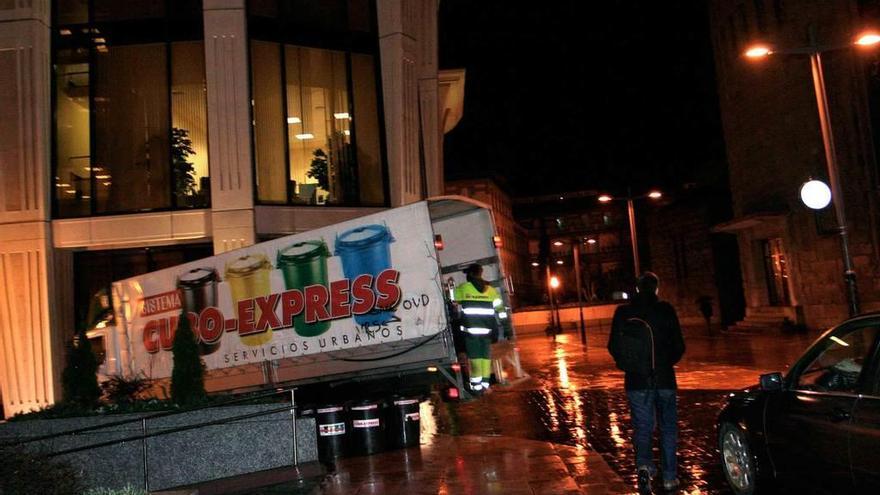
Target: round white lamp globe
<point>815,194</point>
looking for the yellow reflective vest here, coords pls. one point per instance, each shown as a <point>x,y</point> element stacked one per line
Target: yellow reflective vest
<point>479,309</point>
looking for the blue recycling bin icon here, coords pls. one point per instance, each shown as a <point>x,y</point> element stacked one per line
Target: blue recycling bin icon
<point>366,250</point>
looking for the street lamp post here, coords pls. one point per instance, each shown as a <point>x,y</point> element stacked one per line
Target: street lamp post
<point>815,53</point>
<point>576,252</point>
<point>555,320</point>
<point>633,235</point>
<point>631,214</point>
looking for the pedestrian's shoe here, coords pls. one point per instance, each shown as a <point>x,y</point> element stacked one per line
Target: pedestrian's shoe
<point>644,481</point>
<point>671,485</point>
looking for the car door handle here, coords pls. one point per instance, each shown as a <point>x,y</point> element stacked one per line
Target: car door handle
<point>838,415</point>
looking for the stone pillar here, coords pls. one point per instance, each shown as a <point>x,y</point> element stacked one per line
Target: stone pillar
<point>229,117</point>
<point>31,351</point>
<point>429,98</point>
<point>399,47</point>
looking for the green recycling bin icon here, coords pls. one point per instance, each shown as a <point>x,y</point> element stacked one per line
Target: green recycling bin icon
<point>304,264</point>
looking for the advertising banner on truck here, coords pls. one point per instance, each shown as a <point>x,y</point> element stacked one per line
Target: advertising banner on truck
<point>359,283</point>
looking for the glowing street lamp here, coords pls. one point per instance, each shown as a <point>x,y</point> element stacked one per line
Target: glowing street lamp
<point>631,212</point>
<point>868,38</point>
<point>758,51</point>
<point>815,194</point>
<point>812,194</point>
<point>555,321</point>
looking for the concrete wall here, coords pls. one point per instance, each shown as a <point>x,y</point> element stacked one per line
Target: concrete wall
<point>533,321</point>
<point>175,459</point>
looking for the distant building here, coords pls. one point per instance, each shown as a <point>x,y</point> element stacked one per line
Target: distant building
<point>140,134</point>
<point>791,256</point>
<point>554,224</point>
<point>514,245</point>
<point>694,265</point>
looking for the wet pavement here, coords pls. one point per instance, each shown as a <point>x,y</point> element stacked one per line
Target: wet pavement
<point>466,464</point>
<point>565,430</point>
<point>576,397</point>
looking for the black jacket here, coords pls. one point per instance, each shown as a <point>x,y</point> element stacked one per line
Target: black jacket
<point>668,341</point>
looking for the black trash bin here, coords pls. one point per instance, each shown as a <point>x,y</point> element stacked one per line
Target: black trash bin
<point>367,434</point>
<point>404,422</point>
<point>332,432</point>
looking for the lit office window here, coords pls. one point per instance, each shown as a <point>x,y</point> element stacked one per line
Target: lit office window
<point>189,125</point>
<point>131,162</point>
<point>130,107</point>
<point>269,134</point>
<point>72,183</point>
<point>317,129</point>
<point>318,117</point>
<point>331,126</point>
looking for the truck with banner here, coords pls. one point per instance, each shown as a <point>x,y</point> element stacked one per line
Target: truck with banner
<point>356,299</point>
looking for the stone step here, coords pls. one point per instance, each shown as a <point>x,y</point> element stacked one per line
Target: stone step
<point>767,310</point>
<point>753,325</point>
<point>765,319</point>
<point>749,330</point>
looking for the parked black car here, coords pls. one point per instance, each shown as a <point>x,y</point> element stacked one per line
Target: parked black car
<point>816,429</point>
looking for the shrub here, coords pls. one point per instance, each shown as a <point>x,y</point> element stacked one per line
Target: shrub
<point>124,391</point>
<point>187,375</point>
<point>23,473</point>
<point>127,490</point>
<point>79,379</point>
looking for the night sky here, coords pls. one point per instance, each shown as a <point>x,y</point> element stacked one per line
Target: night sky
<point>564,96</point>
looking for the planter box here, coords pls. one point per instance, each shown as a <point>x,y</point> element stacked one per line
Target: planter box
<point>183,458</point>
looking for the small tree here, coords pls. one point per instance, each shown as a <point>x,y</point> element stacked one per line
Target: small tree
<point>79,379</point>
<point>319,170</point>
<point>187,376</point>
<point>184,170</point>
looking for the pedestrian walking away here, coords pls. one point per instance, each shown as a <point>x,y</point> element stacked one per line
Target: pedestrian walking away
<point>646,342</point>
<point>481,310</point>
<point>705,303</point>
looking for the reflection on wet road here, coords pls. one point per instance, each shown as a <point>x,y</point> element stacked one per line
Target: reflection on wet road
<point>576,397</point>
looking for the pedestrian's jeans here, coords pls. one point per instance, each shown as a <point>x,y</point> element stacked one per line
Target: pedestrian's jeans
<point>643,404</point>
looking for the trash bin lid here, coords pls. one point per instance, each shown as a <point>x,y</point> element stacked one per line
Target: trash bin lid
<point>247,265</point>
<point>329,409</point>
<point>302,251</point>
<point>363,236</point>
<point>196,277</point>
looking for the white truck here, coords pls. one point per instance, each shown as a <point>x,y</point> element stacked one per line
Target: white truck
<point>357,300</point>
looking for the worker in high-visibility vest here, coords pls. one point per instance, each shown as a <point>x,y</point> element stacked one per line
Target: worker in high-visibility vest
<point>481,309</point>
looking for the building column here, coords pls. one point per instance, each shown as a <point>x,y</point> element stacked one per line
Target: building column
<point>429,99</point>
<point>31,350</point>
<point>398,44</point>
<point>229,128</point>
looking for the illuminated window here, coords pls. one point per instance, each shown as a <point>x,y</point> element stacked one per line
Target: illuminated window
<point>130,107</point>
<point>316,109</point>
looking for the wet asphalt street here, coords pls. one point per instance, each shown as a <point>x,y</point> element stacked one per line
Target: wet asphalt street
<point>575,397</point>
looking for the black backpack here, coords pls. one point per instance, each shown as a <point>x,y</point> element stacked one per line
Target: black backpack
<point>637,352</point>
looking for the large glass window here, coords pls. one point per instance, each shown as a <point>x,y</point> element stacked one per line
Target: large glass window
<point>130,116</point>
<point>316,113</point>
